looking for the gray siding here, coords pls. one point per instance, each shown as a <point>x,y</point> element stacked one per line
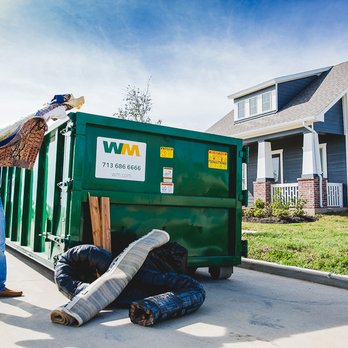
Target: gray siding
<point>292,157</point>
<point>333,121</point>
<point>288,90</point>
<point>336,161</point>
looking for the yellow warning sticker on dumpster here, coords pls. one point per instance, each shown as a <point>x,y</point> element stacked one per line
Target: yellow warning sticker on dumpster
<point>166,152</point>
<point>167,187</point>
<point>217,160</point>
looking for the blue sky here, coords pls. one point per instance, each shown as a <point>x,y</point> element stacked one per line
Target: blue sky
<point>196,52</point>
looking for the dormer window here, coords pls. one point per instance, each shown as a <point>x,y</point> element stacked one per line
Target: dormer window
<point>241,109</point>
<point>253,106</point>
<point>266,101</point>
<point>256,104</point>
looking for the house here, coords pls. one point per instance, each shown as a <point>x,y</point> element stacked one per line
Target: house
<point>296,128</point>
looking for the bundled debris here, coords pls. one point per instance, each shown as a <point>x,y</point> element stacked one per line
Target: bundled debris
<point>20,142</point>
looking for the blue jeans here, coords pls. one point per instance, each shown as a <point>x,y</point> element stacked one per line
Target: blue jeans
<point>3,268</point>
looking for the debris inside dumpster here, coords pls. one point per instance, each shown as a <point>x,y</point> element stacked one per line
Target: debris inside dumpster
<point>20,142</point>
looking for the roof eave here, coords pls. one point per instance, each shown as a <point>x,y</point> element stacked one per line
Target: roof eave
<point>277,80</point>
<point>252,89</point>
<point>277,128</point>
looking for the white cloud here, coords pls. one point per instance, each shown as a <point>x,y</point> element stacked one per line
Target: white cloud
<point>190,80</point>
<point>194,92</point>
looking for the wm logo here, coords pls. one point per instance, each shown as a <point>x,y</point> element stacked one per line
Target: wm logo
<point>121,148</point>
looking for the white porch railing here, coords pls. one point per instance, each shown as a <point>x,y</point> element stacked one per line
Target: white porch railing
<point>334,195</point>
<point>289,192</point>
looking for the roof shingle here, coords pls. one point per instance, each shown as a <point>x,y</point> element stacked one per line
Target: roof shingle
<point>312,101</point>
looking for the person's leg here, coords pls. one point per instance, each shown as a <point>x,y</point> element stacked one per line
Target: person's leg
<point>4,292</point>
<point>3,267</point>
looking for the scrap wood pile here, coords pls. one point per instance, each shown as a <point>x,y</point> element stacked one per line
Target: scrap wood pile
<point>100,220</point>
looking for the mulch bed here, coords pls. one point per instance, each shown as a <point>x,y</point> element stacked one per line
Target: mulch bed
<point>276,220</point>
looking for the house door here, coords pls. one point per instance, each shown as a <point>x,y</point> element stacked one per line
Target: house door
<point>277,163</point>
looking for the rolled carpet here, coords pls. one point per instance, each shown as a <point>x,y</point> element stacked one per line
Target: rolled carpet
<point>185,296</point>
<point>21,148</point>
<point>106,288</point>
<point>21,141</point>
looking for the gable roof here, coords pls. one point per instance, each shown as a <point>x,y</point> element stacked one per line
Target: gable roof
<point>308,106</point>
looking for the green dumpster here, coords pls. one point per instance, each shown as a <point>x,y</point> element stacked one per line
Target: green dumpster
<point>187,183</point>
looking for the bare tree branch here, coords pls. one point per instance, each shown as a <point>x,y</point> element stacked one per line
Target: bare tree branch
<point>137,105</point>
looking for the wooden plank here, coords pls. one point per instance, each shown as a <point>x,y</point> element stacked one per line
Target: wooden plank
<point>95,220</point>
<point>105,222</point>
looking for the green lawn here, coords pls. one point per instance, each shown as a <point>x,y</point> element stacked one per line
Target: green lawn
<point>320,245</point>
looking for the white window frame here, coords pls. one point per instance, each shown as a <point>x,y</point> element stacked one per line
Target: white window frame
<point>280,153</point>
<point>270,101</point>
<point>238,109</point>
<point>323,158</point>
<point>247,102</point>
<point>244,176</point>
<point>256,109</point>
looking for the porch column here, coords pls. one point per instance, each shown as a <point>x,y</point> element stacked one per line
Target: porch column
<point>311,165</point>
<point>311,185</point>
<point>262,185</point>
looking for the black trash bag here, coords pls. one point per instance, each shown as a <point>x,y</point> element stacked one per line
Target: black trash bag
<point>80,266</point>
<point>170,257</point>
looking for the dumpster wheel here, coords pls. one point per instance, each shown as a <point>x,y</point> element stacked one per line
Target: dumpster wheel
<point>217,272</point>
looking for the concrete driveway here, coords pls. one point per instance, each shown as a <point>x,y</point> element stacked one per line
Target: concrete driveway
<point>250,309</point>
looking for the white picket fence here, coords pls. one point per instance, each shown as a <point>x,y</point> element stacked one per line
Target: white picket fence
<point>289,193</point>
<point>334,195</point>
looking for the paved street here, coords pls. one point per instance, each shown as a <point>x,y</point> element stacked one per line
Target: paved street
<point>251,309</point>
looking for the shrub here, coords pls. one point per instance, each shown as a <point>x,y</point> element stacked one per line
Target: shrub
<point>268,210</point>
<point>259,213</point>
<point>299,208</point>
<point>248,212</point>
<point>280,209</point>
<point>259,203</point>
<point>280,213</point>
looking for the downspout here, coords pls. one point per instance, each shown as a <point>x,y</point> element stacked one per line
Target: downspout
<point>345,125</point>
<point>317,163</point>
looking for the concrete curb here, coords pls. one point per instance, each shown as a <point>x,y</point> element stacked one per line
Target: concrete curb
<point>309,275</point>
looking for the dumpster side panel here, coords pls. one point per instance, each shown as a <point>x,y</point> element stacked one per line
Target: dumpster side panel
<point>197,229</point>
<point>32,200</point>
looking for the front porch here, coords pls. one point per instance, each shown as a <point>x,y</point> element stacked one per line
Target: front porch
<point>282,170</point>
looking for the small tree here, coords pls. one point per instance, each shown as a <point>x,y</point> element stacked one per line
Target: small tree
<point>137,105</point>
